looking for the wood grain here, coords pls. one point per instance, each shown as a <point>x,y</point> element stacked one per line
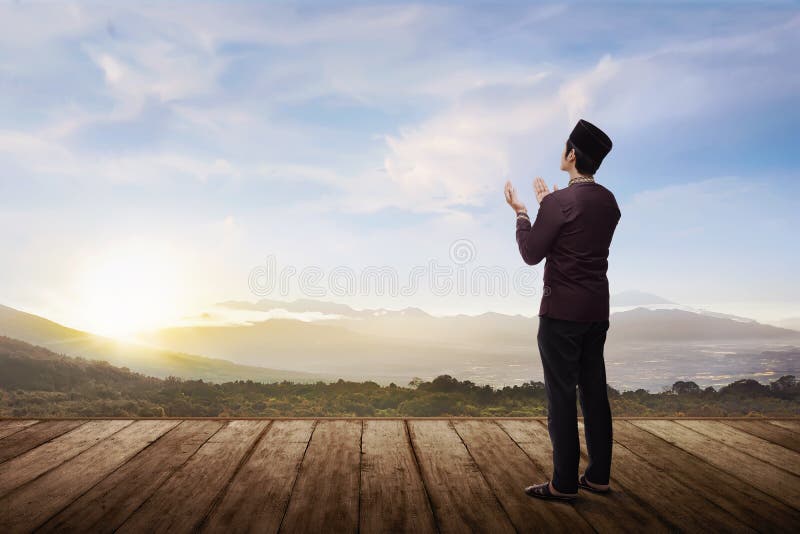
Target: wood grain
<point>257,497</point>
<point>108,504</point>
<point>9,427</point>
<point>747,504</point>
<point>794,426</point>
<point>773,433</point>
<point>508,470</point>
<point>325,497</point>
<point>38,461</point>
<point>771,480</point>
<point>676,503</point>
<point>31,437</point>
<point>754,446</point>
<point>614,512</point>
<point>181,503</point>
<point>389,475</point>
<point>393,496</point>
<point>462,499</point>
<point>27,507</point>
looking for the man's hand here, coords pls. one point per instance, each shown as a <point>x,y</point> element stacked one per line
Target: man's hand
<point>541,189</point>
<point>512,198</point>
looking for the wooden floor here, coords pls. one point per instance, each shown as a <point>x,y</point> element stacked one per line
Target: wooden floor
<point>389,475</point>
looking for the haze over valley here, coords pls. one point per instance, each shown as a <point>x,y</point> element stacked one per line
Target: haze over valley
<point>651,344</point>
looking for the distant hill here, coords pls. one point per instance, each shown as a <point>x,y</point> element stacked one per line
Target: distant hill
<point>672,325</point>
<point>628,300</point>
<point>790,322</point>
<point>653,318</point>
<point>400,339</point>
<point>330,345</point>
<point>389,345</point>
<point>637,298</point>
<point>151,361</point>
<point>29,367</point>
<point>320,306</point>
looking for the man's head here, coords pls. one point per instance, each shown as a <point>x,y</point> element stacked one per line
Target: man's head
<point>574,158</point>
<point>585,149</point>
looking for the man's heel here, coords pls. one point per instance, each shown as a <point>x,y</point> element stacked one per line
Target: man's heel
<point>585,485</point>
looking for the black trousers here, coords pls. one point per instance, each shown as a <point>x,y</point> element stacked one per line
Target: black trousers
<point>572,356</point>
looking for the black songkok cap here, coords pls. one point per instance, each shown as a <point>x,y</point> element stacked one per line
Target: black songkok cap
<point>591,140</point>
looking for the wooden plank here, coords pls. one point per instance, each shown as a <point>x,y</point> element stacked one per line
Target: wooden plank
<point>182,502</point>
<point>794,426</point>
<point>752,445</point>
<point>272,470</point>
<point>776,482</point>
<point>393,496</point>
<point>462,499</point>
<point>9,427</point>
<point>325,497</point>
<point>30,438</point>
<point>108,504</point>
<point>617,511</point>
<point>747,504</point>
<point>38,461</point>
<point>508,470</point>
<point>30,505</point>
<point>774,433</point>
<point>676,503</point>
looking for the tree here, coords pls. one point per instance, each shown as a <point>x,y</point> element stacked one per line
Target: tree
<point>415,382</point>
<point>784,383</point>
<point>747,387</point>
<point>685,388</point>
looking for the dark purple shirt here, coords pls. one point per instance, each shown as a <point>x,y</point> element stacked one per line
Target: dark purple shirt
<point>573,230</point>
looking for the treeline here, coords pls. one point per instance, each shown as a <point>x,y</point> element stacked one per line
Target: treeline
<point>35,382</point>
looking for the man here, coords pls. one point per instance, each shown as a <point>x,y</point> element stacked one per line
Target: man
<point>573,230</point>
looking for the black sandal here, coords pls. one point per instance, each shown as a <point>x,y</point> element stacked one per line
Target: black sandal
<point>542,491</point>
<point>585,485</point>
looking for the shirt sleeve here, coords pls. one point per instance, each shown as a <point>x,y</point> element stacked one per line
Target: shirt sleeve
<point>536,240</point>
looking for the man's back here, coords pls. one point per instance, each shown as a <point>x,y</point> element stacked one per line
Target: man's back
<point>573,230</point>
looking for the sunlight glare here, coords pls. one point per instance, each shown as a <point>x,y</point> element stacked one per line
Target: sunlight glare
<point>129,287</point>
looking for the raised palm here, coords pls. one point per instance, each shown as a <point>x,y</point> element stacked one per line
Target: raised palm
<point>541,189</point>
<point>512,198</point>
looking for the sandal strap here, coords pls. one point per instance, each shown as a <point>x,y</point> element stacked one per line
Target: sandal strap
<point>544,490</point>
<point>582,480</point>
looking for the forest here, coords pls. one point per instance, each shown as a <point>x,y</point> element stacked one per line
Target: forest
<point>35,382</point>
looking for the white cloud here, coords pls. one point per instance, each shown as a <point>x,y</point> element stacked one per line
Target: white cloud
<point>448,116</point>
<point>51,159</point>
<point>491,120</point>
<point>459,155</point>
<point>167,71</point>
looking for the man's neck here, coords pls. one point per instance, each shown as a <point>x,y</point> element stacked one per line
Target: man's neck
<point>573,173</point>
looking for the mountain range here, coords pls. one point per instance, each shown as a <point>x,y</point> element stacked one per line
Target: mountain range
<point>338,326</point>
<point>317,340</point>
<point>143,359</point>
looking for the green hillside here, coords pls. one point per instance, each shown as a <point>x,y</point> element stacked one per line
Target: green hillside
<point>150,361</point>
<point>36,382</point>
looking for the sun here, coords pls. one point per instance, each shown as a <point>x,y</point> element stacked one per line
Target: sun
<point>129,287</point>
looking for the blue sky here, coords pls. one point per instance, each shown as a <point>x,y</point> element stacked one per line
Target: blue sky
<point>196,139</point>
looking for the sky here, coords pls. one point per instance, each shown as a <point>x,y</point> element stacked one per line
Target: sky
<point>160,157</point>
